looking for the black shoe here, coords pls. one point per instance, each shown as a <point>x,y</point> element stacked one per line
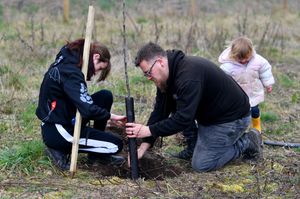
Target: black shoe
<point>254,150</point>
<point>106,159</point>
<point>58,158</point>
<point>185,154</point>
<point>191,139</point>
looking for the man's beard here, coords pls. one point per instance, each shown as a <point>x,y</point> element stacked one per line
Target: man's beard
<point>162,87</point>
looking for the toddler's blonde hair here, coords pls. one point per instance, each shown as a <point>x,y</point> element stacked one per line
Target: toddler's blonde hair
<point>241,48</point>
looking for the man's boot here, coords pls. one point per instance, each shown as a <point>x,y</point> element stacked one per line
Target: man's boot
<point>254,150</point>
<point>187,152</point>
<point>190,135</point>
<point>256,124</point>
<point>58,158</point>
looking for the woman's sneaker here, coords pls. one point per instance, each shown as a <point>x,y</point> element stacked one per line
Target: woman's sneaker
<point>58,158</point>
<point>114,160</point>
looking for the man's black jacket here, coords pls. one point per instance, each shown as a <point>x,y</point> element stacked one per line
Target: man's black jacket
<point>63,90</point>
<point>196,90</point>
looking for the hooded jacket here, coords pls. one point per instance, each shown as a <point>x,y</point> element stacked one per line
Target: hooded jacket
<point>196,90</point>
<point>64,90</point>
<point>252,77</point>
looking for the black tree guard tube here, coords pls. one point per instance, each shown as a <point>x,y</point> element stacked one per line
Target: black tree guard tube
<point>132,141</point>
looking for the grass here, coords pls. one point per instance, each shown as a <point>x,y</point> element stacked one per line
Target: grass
<point>16,81</point>
<point>22,69</point>
<point>286,81</point>
<point>28,119</point>
<point>141,20</point>
<point>4,70</point>
<point>284,129</point>
<point>25,157</point>
<point>31,8</point>
<point>295,98</point>
<point>106,5</point>
<point>269,117</point>
<point>3,127</point>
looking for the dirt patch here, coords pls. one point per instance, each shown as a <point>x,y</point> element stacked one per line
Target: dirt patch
<point>151,167</point>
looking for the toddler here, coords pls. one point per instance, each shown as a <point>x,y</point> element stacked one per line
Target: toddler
<point>250,70</point>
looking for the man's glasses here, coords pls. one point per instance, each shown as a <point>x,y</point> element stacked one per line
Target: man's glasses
<point>148,72</point>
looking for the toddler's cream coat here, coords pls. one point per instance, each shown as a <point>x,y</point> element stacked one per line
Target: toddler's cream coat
<point>252,77</point>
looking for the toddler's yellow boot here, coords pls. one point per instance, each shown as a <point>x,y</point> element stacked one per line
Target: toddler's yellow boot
<point>256,124</point>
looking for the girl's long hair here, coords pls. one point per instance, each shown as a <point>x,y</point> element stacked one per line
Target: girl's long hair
<point>96,48</point>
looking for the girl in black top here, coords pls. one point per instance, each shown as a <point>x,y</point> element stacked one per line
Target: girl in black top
<point>63,91</point>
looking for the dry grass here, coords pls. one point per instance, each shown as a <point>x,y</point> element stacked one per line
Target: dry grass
<point>32,31</point>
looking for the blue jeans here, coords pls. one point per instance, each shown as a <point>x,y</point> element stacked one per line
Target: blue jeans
<point>219,144</point>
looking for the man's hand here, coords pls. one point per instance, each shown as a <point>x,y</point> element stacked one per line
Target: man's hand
<point>134,130</point>
<point>118,120</point>
<point>141,151</point>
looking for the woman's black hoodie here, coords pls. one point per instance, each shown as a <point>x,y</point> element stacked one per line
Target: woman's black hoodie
<point>64,90</point>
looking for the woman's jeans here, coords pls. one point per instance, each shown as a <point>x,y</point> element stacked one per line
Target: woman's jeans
<point>219,144</point>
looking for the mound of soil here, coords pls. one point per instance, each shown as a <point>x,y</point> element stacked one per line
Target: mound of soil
<point>152,166</point>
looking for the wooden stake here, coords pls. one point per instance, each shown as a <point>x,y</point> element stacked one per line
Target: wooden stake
<point>66,10</point>
<point>86,52</point>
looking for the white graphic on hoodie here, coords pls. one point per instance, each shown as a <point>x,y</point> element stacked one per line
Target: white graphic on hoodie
<point>84,96</point>
<point>54,74</point>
